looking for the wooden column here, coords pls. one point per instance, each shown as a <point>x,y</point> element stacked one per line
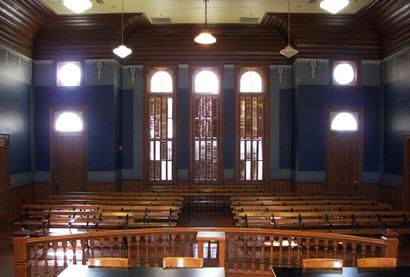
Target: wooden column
<point>22,264</point>
<point>392,243</point>
<point>219,237</point>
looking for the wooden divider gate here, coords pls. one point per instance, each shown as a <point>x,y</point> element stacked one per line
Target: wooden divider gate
<point>238,249</point>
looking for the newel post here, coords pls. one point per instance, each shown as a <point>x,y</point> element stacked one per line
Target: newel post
<point>22,264</point>
<point>392,243</point>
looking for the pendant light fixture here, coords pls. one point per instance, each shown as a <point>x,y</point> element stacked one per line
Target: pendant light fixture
<point>334,6</point>
<point>78,6</point>
<point>205,37</point>
<point>288,51</point>
<point>122,51</point>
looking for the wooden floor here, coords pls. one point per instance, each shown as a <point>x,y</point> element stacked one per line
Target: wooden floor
<point>188,219</point>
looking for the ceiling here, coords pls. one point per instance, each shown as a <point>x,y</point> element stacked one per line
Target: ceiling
<point>192,11</point>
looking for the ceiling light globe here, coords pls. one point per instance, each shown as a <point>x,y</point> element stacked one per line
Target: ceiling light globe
<point>78,6</point>
<point>289,52</point>
<point>122,51</point>
<point>334,6</point>
<point>205,38</point>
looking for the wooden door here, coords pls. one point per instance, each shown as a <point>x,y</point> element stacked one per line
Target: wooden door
<point>343,151</point>
<point>405,201</point>
<point>4,176</point>
<point>68,150</point>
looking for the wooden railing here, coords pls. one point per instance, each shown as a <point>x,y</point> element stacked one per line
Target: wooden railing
<point>239,249</point>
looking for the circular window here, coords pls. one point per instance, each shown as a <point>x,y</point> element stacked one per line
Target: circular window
<point>344,122</point>
<point>343,74</point>
<point>69,122</point>
<point>69,75</point>
<point>206,82</point>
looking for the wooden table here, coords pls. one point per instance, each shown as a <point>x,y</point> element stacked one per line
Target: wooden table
<point>345,272</point>
<point>85,271</point>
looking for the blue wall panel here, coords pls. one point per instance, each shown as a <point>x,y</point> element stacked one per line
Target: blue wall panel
<point>15,118</point>
<point>228,112</point>
<point>285,131</point>
<point>101,123</point>
<point>127,129</point>
<point>182,136</point>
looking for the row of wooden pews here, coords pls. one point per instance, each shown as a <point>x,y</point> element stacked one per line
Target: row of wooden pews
<point>325,213</point>
<point>102,211</point>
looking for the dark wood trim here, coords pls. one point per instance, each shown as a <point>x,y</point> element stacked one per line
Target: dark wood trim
<point>147,77</point>
<point>53,111</point>
<point>405,201</point>
<point>264,71</point>
<point>359,111</point>
<point>5,195</point>
<point>192,72</point>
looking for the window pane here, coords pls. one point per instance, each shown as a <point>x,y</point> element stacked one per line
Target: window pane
<point>251,81</point>
<point>69,122</point>
<point>343,74</point>
<point>344,122</point>
<point>161,81</point>
<point>68,74</point>
<point>206,82</point>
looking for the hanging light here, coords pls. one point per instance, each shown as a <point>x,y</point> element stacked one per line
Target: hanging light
<point>122,51</point>
<point>78,6</point>
<point>205,37</point>
<point>289,51</point>
<point>334,6</point>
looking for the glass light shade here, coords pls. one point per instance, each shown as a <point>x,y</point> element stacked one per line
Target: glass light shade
<point>334,6</point>
<point>122,51</point>
<point>205,38</point>
<point>343,74</point>
<point>289,51</point>
<point>78,6</point>
<point>69,74</point>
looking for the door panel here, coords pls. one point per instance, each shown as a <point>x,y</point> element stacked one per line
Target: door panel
<point>4,176</point>
<point>405,201</point>
<point>344,159</point>
<point>69,172</point>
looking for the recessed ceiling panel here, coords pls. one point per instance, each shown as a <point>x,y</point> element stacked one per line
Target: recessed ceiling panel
<point>192,11</point>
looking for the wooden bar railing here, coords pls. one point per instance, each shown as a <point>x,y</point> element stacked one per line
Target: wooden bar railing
<point>242,249</point>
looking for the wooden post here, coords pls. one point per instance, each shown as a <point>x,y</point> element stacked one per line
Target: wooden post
<point>219,237</point>
<point>392,243</point>
<point>22,264</point>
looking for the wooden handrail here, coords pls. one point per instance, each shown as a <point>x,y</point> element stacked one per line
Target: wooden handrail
<point>240,249</point>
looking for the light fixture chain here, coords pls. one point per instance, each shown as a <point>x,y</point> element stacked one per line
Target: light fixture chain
<point>122,23</point>
<point>288,21</point>
<point>206,12</point>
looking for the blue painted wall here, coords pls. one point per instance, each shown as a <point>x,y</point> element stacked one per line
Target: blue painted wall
<point>15,112</point>
<point>396,114</point>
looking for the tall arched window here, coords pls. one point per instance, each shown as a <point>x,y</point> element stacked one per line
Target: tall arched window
<point>205,130</point>
<point>344,121</point>
<point>251,124</point>
<point>160,125</point>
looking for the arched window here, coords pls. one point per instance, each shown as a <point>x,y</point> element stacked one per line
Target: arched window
<point>69,122</point>
<point>207,82</point>
<point>160,125</point>
<point>205,135</point>
<point>251,124</point>
<point>251,81</point>
<point>161,81</point>
<point>68,74</point>
<point>344,121</point>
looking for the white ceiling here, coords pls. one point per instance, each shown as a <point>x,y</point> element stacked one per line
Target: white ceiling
<point>192,11</point>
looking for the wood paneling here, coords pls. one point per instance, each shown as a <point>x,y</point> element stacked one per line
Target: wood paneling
<point>20,21</point>
<point>4,175</point>
<point>391,19</point>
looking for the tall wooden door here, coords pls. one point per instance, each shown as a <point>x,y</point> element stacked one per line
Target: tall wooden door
<point>405,201</point>
<point>344,151</point>
<point>68,149</point>
<point>4,176</point>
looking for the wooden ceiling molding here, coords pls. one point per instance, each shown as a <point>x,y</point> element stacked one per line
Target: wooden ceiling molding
<point>20,21</point>
<point>328,36</point>
<point>391,19</point>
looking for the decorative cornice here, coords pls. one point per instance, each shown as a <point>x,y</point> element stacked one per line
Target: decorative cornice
<point>306,60</point>
<point>371,62</point>
<point>181,66</point>
<point>133,66</point>
<point>43,62</point>
<point>396,54</point>
<point>274,66</point>
<point>229,66</point>
<point>11,51</point>
<point>94,61</point>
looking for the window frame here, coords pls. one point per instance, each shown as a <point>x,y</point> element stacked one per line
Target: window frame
<point>263,71</point>
<point>356,68</point>
<point>56,69</point>
<point>148,73</point>
<point>192,96</point>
